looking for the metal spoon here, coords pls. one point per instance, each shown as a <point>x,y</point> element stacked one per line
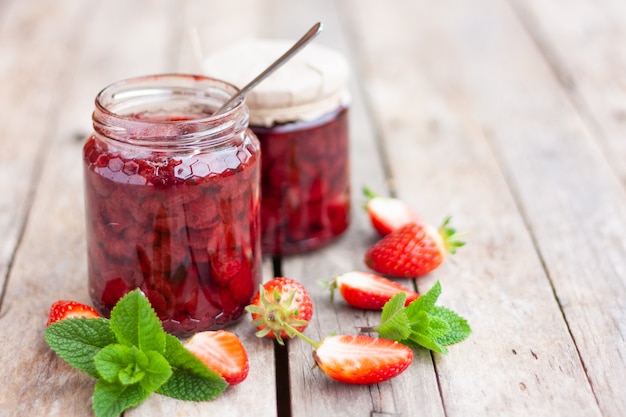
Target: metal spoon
<point>304,40</point>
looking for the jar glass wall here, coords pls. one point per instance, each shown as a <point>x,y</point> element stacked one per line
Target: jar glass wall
<point>172,200</point>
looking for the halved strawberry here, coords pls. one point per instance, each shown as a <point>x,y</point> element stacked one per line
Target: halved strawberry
<point>361,359</point>
<point>64,309</point>
<point>387,213</point>
<point>368,291</point>
<point>281,306</point>
<point>413,250</point>
<point>221,351</point>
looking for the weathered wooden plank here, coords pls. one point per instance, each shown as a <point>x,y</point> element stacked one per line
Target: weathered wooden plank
<point>33,74</point>
<point>583,40</point>
<point>471,81</point>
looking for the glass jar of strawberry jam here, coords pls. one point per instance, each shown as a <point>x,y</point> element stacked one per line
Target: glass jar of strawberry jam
<point>172,199</point>
<point>300,115</point>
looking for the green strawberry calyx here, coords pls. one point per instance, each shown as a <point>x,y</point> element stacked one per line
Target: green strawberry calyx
<point>450,236</point>
<point>276,316</point>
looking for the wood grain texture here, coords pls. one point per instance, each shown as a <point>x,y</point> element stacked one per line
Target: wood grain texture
<point>582,42</point>
<point>471,99</point>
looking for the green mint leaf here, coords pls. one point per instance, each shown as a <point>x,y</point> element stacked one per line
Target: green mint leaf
<point>157,372</point>
<point>424,302</point>
<point>110,400</point>
<point>436,327</point>
<point>121,364</point>
<point>135,323</point>
<point>127,365</point>
<point>394,322</point>
<point>419,322</point>
<point>459,327</point>
<point>79,340</point>
<point>191,380</point>
<point>433,327</point>
<point>416,340</point>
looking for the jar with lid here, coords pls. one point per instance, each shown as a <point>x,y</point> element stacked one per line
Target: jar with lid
<point>300,115</point>
<point>172,197</point>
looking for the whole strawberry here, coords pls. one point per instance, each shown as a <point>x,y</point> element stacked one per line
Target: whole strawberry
<point>412,250</point>
<point>387,213</point>
<point>361,359</point>
<point>368,291</point>
<point>281,306</point>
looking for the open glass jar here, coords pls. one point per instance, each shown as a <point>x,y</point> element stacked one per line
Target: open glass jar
<point>300,115</point>
<point>172,199</point>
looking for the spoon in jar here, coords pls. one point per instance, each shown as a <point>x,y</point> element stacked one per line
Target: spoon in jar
<point>302,42</point>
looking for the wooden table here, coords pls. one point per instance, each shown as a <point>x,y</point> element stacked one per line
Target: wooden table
<point>509,115</point>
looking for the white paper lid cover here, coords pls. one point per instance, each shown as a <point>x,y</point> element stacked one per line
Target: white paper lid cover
<point>312,83</point>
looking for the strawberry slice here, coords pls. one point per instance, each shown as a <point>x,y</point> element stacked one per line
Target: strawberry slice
<point>368,291</point>
<point>280,308</point>
<point>221,351</point>
<point>387,213</point>
<point>64,309</point>
<point>361,359</point>
<point>412,250</point>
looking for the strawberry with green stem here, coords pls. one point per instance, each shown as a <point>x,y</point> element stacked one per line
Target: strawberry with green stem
<point>358,359</point>
<point>413,250</point>
<point>282,309</point>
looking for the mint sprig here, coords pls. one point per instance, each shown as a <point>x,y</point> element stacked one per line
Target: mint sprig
<point>132,356</point>
<point>421,323</point>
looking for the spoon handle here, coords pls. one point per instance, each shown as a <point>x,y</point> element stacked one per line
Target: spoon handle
<point>304,40</point>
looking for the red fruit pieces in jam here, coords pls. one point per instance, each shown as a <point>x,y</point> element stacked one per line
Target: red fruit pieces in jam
<point>160,234</point>
<point>305,184</point>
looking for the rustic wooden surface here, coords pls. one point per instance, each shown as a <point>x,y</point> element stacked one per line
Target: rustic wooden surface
<point>509,115</point>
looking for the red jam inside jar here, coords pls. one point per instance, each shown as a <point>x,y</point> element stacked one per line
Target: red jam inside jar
<point>305,183</point>
<point>172,202</point>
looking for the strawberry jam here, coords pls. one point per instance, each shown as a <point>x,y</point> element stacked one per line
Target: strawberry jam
<point>305,183</point>
<point>172,201</point>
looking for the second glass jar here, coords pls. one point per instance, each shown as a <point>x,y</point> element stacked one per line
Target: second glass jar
<point>301,117</point>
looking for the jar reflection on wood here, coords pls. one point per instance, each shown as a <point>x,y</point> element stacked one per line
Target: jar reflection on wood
<point>300,115</point>
<point>172,200</point>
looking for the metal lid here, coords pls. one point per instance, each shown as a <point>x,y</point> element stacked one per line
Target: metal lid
<point>311,84</point>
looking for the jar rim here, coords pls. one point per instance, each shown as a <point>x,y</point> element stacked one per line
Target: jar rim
<point>113,87</point>
<point>168,111</point>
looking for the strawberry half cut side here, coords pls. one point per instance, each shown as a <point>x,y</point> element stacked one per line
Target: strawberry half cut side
<point>221,351</point>
<point>360,359</point>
